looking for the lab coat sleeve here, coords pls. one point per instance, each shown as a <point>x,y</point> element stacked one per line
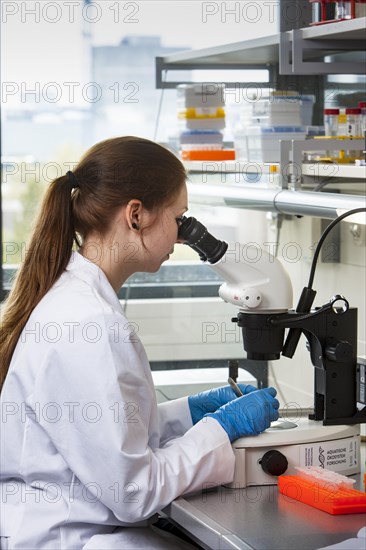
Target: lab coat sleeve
<point>105,424</point>
<point>174,419</point>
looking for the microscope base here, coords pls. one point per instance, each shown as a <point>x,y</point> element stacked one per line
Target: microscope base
<point>260,459</point>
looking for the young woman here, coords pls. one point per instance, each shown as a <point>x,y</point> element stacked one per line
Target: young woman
<point>87,457</point>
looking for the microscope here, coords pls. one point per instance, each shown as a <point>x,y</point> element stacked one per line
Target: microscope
<point>257,283</point>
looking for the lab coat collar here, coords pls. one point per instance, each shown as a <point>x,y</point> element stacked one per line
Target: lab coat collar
<point>92,274</point>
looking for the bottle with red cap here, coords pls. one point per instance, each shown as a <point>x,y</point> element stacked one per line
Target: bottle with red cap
<point>353,116</point>
<point>362,106</point>
<point>331,11</point>
<point>331,122</point>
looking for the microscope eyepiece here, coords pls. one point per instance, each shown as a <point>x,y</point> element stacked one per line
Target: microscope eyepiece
<point>195,235</point>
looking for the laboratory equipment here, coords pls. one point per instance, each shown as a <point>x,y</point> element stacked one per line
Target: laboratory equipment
<point>235,387</point>
<point>201,106</point>
<point>201,115</point>
<point>208,154</point>
<point>354,121</point>
<point>324,477</point>
<point>262,143</point>
<point>362,106</point>
<point>279,108</point>
<point>330,494</point>
<point>331,11</point>
<point>345,10</point>
<point>342,123</point>
<point>259,286</point>
<point>353,117</point>
<point>331,122</point>
<point>322,11</point>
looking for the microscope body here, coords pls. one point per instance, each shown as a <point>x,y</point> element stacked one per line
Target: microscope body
<point>257,283</point>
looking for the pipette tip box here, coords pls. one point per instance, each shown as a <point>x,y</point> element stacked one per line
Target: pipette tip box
<point>330,492</point>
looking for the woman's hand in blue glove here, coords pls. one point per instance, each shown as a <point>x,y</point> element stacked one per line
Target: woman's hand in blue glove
<point>210,400</point>
<point>248,415</point>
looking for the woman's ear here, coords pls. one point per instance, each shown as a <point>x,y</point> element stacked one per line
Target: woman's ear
<point>134,214</point>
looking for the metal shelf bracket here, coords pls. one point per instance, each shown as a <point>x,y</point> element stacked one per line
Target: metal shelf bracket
<point>293,46</point>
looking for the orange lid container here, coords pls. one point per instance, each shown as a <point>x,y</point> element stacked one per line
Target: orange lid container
<point>208,154</point>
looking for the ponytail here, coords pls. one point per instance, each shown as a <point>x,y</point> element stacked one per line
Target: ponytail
<point>109,175</point>
<point>47,256</point>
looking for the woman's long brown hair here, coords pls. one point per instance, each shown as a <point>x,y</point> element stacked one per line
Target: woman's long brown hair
<point>109,175</point>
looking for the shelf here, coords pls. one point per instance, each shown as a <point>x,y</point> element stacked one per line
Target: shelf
<point>260,51</point>
<point>308,169</point>
<point>296,52</point>
<point>301,51</point>
<point>346,171</point>
<point>300,47</point>
<point>235,166</point>
<point>353,29</point>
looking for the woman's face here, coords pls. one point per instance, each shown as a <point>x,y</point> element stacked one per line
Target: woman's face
<point>160,236</point>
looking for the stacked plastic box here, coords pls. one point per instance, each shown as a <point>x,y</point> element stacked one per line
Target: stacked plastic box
<point>265,122</point>
<point>201,114</point>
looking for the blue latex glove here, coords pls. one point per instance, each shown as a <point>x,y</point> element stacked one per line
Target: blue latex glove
<point>210,400</point>
<point>249,415</point>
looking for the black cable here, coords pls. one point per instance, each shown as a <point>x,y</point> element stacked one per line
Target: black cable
<point>286,322</point>
<point>308,294</point>
<point>323,237</point>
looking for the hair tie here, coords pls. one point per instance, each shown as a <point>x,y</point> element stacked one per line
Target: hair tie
<point>72,180</point>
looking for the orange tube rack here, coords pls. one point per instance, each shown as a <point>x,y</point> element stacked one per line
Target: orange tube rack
<point>328,498</point>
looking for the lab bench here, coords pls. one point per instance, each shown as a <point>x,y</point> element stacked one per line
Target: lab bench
<point>260,518</point>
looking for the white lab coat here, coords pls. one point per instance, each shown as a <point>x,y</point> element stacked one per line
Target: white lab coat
<point>85,449</point>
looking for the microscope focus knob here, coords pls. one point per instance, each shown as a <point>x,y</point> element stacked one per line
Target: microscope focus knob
<point>274,463</point>
<point>339,352</point>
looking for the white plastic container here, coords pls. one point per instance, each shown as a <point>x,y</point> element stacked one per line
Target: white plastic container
<point>262,144</point>
<point>200,95</point>
<point>278,110</point>
<point>306,109</point>
<point>198,137</point>
<point>217,123</point>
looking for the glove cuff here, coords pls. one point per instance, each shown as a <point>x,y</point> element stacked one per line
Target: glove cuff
<point>195,411</point>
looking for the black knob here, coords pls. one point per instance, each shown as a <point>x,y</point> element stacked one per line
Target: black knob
<point>274,463</point>
<point>339,351</point>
